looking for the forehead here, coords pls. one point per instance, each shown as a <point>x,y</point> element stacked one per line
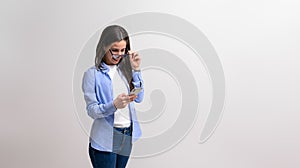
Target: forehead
<point>119,44</point>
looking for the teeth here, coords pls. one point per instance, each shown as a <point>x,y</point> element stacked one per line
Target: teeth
<point>115,57</point>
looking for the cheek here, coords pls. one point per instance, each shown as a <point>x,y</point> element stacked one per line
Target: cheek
<point>105,58</point>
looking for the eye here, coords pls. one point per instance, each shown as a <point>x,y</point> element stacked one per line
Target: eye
<point>114,50</point>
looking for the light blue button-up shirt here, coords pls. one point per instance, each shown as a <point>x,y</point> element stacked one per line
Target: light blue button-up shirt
<point>98,95</point>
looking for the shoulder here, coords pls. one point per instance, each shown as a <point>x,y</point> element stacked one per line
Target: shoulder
<point>91,69</point>
<point>94,72</point>
<point>90,72</point>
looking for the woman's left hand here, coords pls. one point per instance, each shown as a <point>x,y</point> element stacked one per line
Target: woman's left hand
<point>135,60</point>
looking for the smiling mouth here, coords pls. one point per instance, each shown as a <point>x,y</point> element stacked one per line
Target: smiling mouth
<point>115,59</point>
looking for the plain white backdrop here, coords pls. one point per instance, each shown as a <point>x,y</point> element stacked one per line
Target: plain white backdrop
<point>256,41</point>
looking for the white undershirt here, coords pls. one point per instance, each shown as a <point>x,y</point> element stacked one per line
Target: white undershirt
<point>122,117</point>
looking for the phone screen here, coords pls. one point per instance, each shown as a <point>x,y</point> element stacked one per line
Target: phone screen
<point>135,91</point>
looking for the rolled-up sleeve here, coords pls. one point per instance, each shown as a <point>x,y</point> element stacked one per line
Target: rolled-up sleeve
<point>138,82</point>
<point>94,108</point>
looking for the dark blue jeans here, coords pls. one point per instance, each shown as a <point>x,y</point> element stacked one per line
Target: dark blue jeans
<point>121,151</point>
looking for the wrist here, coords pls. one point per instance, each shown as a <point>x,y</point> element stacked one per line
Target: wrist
<point>136,70</point>
<point>114,103</point>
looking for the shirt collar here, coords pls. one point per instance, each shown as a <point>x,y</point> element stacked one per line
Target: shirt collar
<point>104,67</point>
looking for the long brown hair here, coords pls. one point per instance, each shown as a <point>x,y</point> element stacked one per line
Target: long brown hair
<point>111,34</point>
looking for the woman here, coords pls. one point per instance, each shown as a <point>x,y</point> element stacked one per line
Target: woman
<point>106,88</point>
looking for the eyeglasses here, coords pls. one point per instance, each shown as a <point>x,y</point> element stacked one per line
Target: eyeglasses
<point>116,56</point>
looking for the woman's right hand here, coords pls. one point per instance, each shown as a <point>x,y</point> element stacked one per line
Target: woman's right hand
<point>121,101</point>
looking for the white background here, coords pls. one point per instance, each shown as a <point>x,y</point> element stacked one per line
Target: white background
<point>257,42</point>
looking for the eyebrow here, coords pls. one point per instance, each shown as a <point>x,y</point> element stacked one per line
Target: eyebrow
<point>117,49</point>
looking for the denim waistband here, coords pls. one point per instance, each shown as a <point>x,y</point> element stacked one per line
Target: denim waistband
<point>126,131</point>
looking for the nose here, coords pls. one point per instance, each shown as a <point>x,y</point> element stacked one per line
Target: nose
<point>120,52</point>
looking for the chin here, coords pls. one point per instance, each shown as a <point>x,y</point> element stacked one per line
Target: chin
<point>116,61</point>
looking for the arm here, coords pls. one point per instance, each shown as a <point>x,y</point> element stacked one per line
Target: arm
<point>94,108</point>
<point>137,80</point>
